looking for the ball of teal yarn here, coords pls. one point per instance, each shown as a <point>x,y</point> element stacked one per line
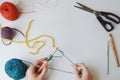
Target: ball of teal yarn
<point>15,68</point>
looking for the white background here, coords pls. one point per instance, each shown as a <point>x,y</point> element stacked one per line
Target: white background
<point>76,32</point>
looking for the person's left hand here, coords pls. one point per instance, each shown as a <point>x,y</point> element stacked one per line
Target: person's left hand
<point>32,73</point>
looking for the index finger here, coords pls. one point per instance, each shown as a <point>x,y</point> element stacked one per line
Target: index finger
<point>82,65</point>
<point>36,63</point>
<point>32,68</point>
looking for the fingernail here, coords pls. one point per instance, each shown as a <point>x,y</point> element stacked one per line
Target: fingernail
<point>73,65</point>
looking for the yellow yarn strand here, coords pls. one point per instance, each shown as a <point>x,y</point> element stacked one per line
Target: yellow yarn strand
<point>40,36</point>
<point>26,35</point>
<point>38,49</point>
<point>45,36</point>
<point>36,42</point>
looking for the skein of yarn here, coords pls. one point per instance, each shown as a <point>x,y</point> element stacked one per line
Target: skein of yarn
<point>9,11</point>
<point>15,68</point>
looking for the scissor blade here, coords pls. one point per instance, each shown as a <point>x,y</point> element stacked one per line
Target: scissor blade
<point>85,8</point>
<point>78,7</point>
<point>82,5</point>
<point>81,8</point>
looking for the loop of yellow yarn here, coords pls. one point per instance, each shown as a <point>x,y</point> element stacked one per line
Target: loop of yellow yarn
<point>35,43</point>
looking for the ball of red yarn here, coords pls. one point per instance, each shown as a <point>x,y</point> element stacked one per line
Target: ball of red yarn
<point>9,11</point>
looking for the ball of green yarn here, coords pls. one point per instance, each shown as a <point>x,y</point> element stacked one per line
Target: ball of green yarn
<point>15,68</point>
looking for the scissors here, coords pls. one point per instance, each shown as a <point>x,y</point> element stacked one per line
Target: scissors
<point>110,17</point>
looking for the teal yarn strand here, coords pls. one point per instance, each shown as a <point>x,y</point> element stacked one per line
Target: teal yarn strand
<point>15,68</point>
<point>49,58</point>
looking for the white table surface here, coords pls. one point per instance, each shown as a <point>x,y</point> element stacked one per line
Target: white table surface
<point>76,32</point>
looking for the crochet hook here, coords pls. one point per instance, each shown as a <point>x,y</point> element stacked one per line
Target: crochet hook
<point>45,62</point>
<point>114,49</point>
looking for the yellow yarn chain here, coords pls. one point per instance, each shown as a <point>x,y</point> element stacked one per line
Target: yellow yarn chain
<point>37,42</point>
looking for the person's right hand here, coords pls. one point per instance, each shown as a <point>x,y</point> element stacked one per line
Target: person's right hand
<point>32,72</point>
<point>82,72</point>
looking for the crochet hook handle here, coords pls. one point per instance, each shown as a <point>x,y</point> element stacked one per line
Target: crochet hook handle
<point>114,49</point>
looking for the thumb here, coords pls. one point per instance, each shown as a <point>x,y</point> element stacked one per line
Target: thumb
<point>31,70</point>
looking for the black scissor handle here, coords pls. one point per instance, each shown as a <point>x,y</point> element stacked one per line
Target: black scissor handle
<point>111,16</point>
<point>107,25</point>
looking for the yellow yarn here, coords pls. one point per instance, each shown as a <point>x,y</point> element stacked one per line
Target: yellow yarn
<point>27,41</point>
<point>36,42</point>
